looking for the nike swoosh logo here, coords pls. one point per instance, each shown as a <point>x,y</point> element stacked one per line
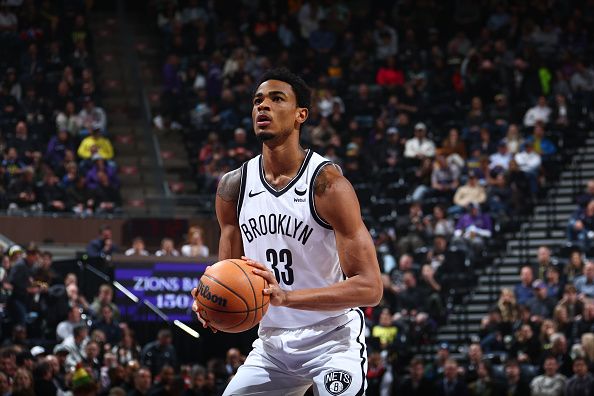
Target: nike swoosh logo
<point>252,194</point>
<point>300,192</point>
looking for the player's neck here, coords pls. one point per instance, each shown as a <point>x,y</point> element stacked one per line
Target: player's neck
<point>282,160</point>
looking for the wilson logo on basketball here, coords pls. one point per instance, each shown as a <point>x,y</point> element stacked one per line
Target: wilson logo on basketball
<point>204,291</point>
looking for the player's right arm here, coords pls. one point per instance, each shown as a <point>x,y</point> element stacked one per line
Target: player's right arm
<point>230,245</point>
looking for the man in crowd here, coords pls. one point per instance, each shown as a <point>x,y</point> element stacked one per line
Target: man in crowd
<point>550,383</point>
<point>159,353</point>
<point>24,289</point>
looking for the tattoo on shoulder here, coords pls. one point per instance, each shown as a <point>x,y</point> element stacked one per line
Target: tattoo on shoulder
<point>325,177</point>
<point>229,186</point>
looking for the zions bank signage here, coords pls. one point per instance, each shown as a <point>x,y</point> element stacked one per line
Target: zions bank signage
<point>164,285</point>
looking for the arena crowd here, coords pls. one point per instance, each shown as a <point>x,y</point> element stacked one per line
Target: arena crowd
<point>450,119</point>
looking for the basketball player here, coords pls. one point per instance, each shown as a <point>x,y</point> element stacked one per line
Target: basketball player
<point>297,221</point>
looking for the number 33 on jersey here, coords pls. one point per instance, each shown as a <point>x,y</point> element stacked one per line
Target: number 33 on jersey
<point>281,229</point>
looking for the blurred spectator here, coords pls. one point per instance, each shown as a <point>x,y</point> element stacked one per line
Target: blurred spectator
<point>582,381</point>
<point>581,226</point>
<point>75,345</point>
<point>389,74</point>
<point>108,325</point>
<point>102,246</point>
<point>526,347</point>
<point>541,305</point>
<point>127,350</point>
<point>499,161</point>
<point>588,195</point>
<point>570,301</point>
<point>451,384</point>
<point>529,162</point>
<point>385,331</point>
<point>105,297</point>
<point>23,193</point>
<point>142,382</point>
<point>524,290</point>
<point>438,224</point>
<point>575,266</point>
<point>549,383</point>
<point>419,146</point>
<point>23,382</point>
<point>513,139</point>
<point>195,246</point>
<point>57,147</point>
<point>24,289</point>
<point>92,117</point>
<point>65,328</point>
<point>540,112</point>
<point>379,374</point>
<point>95,144</point>
<point>416,384</point>
<point>159,353</point>
<point>106,195</point>
<point>544,260</point>
<point>137,248</point>
<point>453,145</point>
<point>559,350</point>
<point>52,195</point>
<point>444,178</point>
<point>485,382</point>
<point>474,228</point>
<point>412,229</point>
<point>167,248</point>
<point>475,356</point>
<point>585,283</point>
<point>515,385</point>
<point>542,145</point>
<point>471,192</point>
<point>553,282</point>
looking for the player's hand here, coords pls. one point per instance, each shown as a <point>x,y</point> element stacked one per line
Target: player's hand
<point>205,323</point>
<point>277,295</point>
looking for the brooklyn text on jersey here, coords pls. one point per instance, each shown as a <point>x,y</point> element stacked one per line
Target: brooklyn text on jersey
<point>276,223</point>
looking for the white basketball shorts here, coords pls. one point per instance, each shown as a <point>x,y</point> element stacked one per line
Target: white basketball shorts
<point>329,355</point>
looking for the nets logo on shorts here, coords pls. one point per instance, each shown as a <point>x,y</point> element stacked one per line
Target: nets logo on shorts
<point>337,381</point>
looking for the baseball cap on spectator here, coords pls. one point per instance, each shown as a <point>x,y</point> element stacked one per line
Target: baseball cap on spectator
<point>473,173</point>
<point>538,284</point>
<point>96,156</point>
<point>420,126</point>
<point>37,350</point>
<point>32,248</point>
<point>392,131</point>
<point>352,149</point>
<point>444,345</point>
<point>14,249</point>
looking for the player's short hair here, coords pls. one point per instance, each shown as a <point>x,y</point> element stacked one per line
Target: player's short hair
<point>300,87</point>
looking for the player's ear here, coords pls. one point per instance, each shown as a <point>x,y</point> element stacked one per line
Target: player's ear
<point>301,114</point>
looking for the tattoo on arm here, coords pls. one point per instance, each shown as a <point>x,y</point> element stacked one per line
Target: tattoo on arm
<point>229,186</point>
<point>323,180</point>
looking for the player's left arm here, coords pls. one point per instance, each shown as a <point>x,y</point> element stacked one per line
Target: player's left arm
<point>337,203</point>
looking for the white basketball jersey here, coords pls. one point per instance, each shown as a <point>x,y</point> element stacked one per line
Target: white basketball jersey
<point>281,229</point>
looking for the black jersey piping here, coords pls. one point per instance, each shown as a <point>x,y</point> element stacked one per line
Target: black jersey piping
<point>242,187</point>
<point>278,193</point>
<point>312,204</point>
<point>362,354</point>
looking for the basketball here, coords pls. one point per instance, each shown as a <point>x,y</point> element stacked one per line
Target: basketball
<point>230,296</point>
